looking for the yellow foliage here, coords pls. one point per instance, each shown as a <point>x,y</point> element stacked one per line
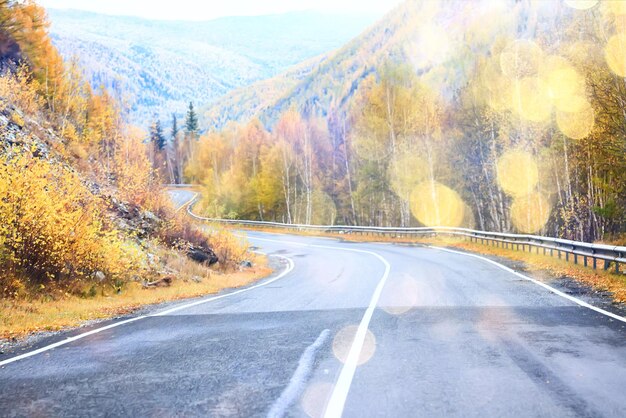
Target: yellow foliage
<point>19,91</point>
<point>52,228</point>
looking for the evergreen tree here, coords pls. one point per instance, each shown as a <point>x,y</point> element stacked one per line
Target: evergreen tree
<point>156,135</point>
<point>175,127</point>
<point>191,123</point>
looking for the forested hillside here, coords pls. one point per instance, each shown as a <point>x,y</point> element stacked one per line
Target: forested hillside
<point>158,67</point>
<point>81,206</point>
<point>504,116</point>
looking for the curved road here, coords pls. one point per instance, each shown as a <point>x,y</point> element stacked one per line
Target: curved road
<point>352,329</point>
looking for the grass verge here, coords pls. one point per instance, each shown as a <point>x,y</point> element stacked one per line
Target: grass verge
<point>19,318</point>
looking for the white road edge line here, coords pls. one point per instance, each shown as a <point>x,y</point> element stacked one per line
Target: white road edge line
<point>548,287</point>
<point>299,378</point>
<point>203,301</point>
<point>187,203</point>
<point>290,266</point>
<point>337,401</point>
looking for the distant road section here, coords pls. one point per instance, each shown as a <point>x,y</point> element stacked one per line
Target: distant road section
<point>448,335</point>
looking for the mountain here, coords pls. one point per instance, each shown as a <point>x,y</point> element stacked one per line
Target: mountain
<point>429,36</point>
<point>157,67</point>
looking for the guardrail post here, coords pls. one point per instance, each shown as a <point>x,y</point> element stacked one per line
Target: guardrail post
<point>585,260</point>
<point>575,258</point>
<point>616,267</point>
<point>595,263</point>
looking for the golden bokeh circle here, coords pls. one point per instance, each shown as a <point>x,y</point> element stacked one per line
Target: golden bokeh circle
<point>518,173</point>
<point>576,125</point>
<point>531,99</point>
<point>434,204</point>
<point>617,7</point>
<point>615,54</point>
<point>521,58</point>
<point>564,84</point>
<point>529,214</point>
<point>406,171</point>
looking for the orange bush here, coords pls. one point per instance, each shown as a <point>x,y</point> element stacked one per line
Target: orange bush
<point>52,228</point>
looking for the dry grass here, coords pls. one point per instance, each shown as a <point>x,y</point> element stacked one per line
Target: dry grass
<point>21,317</point>
<point>538,263</point>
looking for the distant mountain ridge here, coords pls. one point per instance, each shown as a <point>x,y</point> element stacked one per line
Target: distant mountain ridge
<point>329,82</point>
<point>414,33</point>
<point>156,67</point>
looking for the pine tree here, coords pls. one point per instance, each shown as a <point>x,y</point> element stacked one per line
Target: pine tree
<point>156,135</point>
<point>175,128</point>
<point>191,123</point>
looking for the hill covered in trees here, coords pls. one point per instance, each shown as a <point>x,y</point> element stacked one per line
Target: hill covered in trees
<point>504,116</point>
<point>158,67</point>
<point>82,211</point>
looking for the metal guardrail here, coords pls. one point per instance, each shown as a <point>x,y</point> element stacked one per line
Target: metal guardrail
<point>610,254</point>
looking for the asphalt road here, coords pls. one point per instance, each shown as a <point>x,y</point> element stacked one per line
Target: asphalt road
<point>348,329</point>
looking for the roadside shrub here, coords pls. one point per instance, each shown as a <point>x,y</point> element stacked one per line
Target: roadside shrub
<point>229,248</point>
<point>52,228</point>
<point>19,91</point>
<point>178,228</point>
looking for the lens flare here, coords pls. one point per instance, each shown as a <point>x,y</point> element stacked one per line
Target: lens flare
<point>530,213</point>
<point>517,173</point>
<point>406,172</point>
<point>577,125</point>
<point>617,7</point>
<point>315,399</point>
<point>615,54</point>
<point>369,148</point>
<point>532,100</point>
<point>400,295</point>
<point>342,343</point>
<point>581,4</point>
<point>434,204</point>
<point>521,58</point>
<point>497,87</point>
<point>434,44</point>
<point>565,86</point>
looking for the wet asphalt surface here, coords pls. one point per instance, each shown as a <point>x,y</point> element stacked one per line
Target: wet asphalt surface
<point>451,336</point>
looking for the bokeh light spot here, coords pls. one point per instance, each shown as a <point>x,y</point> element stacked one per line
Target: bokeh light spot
<point>615,54</point>
<point>434,44</point>
<point>342,343</point>
<point>617,7</point>
<point>406,172</point>
<point>369,148</point>
<point>563,83</point>
<point>530,213</point>
<point>400,295</point>
<point>577,125</point>
<point>531,99</point>
<point>315,399</point>
<point>581,4</point>
<point>517,173</point>
<point>521,58</point>
<point>434,204</point>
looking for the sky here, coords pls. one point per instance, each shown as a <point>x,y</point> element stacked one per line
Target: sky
<point>211,9</point>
